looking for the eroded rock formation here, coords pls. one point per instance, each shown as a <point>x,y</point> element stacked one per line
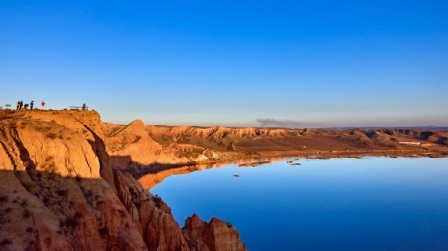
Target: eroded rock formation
<point>155,149</point>
<point>59,192</point>
<point>204,236</point>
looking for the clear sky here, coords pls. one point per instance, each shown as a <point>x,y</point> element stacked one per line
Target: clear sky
<point>259,63</point>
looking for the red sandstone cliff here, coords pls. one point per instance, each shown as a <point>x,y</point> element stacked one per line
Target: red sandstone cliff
<point>59,192</point>
<point>161,150</point>
<point>204,236</point>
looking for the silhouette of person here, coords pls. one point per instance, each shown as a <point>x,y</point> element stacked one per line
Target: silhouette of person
<point>18,105</point>
<point>31,104</point>
<point>43,105</point>
<point>21,104</point>
<point>84,106</point>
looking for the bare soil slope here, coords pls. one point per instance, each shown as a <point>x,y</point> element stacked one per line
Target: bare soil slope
<point>152,148</point>
<point>59,192</point>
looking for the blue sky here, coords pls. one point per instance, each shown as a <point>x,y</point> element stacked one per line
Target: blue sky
<point>233,63</point>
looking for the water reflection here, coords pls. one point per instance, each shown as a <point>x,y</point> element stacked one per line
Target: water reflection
<point>152,179</point>
<point>337,204</point>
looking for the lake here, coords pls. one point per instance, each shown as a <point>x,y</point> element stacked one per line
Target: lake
<point>336,204</point>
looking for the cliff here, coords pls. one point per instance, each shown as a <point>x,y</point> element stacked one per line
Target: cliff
<point>151,149</point>
<point>58,191</point>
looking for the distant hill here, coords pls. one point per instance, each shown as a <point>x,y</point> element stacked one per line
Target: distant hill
<point>428,128</point>
<point>142,145</point>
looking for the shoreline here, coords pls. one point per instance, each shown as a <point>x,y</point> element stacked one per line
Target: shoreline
<point>155,174</point>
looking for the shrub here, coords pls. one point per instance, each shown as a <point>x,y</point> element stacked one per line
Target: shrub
<point>5,242</point>
<point>122,213</point>
<point>24,203</point>
<point>47,241</point>
<point>62,192</point>
<point>51,135</point>
<point>26,213</point>
<point>46,201</point>
<point>4,198</point>
<point>103,231</point>
<point>71,221</point>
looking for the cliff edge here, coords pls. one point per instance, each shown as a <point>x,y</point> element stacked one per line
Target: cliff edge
<point>58,191</point>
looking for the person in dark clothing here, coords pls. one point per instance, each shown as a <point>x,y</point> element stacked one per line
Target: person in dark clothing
<point>21,104</point>
<point>18,105</point>
<point>31,104</point>
<point>84,106</point>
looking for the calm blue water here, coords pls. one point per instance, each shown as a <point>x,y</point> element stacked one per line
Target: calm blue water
<point>337,204</point>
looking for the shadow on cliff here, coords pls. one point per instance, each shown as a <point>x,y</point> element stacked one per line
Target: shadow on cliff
<point>45,210</point>
<point>138,170</point>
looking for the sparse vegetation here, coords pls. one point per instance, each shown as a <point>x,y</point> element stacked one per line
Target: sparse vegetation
<point>62,192</point>
<point>71,222</point>
<point>24,203</point>
<point>47,241</point>
<point>94,200</point>
<point>122,213</point>
<point>137,139</point>
<point>51,135</point>
<point>26,213</point>
<point>46,201</point>
<point>5,242</point>
<point>103,230</point>
<point>4,198</point>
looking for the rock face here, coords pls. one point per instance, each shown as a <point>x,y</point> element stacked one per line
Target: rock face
<point>205,236</point>
<point>59,192</point>
<point>157,226</point>
<point>183,144</point>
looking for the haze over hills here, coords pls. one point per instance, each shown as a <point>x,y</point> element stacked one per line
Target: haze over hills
<point>429,128</point>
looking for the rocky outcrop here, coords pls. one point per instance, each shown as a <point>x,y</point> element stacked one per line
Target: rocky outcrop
<point>131,143</point>
<point>55,186</point>
<point>59,192</point>
<point>150,213</point>
<point>216,235</point>
<point>191,144</point>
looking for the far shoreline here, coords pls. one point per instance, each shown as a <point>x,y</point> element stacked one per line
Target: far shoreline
<point>150,177</point>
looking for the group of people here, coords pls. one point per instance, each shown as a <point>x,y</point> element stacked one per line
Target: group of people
<point>20,105</point>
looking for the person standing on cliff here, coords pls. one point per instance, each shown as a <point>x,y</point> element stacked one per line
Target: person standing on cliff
<point>84,106</point>
<point>21,104</point>
<point>42,104</point>
<point>18,105</point>
<point>32,104</point>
